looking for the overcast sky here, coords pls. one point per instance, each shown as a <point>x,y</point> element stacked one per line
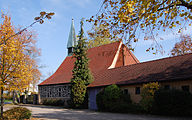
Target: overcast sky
<point>53,34</point>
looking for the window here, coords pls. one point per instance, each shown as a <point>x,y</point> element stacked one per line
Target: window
<point>167,87</point>
<point>137,90</point>
<point>185,88</point>
<point>125,91</point>
<point>70,50</point>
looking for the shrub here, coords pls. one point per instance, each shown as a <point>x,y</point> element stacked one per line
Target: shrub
<point>53,102</point>
<point>18,113</point>
<point>99,101</point>
<point>127,108</point>
<point>111,98</point>
<point>172,102</point>
<point>30,99</point>
<point>147,95</point>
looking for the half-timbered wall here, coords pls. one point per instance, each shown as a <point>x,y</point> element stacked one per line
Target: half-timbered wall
<point>55,91</point>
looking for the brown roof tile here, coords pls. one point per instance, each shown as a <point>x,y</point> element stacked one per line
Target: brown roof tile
<point>100,59</point>
<point>172,68</point>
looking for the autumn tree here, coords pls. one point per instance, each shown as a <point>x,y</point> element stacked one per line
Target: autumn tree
<point>131,18</point>
<point>98,36</point>
<point>81,74</point>
<point>182,47</point>
<point>34,53</point>
<point>16,64</point>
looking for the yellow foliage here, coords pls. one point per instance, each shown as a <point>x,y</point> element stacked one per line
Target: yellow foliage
<point>99,36</point>
<point>147,95</point>
<point>16,65</point>
<point>147,16</point>
<point>150,88</point>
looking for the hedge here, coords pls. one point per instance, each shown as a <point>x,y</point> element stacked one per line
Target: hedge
<point>172,102</point>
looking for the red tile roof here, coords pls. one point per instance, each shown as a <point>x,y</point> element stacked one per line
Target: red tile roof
<point>172,68</point>
<point>100,59</point>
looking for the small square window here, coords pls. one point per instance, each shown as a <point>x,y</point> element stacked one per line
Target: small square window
<point>137,90</point>
<point>70,50</point>
<point>125,91</point>
<point>185,88</point>
<point>167,87</point>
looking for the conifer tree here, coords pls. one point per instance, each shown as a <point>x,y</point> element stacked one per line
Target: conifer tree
<point>81,73</point>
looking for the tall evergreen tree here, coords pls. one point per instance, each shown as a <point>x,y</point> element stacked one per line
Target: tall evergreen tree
<point>81,73</point>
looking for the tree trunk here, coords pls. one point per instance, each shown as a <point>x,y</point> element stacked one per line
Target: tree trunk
<point>14,99</point>
<point>2,103</point>
<point>17,98</point>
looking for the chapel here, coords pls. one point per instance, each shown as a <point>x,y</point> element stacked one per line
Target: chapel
<point>114,63</point>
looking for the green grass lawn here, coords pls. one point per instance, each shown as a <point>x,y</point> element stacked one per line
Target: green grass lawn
<point>7,100</point>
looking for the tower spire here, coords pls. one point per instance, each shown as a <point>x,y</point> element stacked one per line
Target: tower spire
<point>72,39</point>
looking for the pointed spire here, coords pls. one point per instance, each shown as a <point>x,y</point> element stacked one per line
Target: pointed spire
<point>72,37</point>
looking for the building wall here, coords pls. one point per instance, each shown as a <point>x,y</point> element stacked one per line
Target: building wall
<point>61,92</point>
<point>179,84</point>
<point>131,90</point>
<point>92,93</point>
<point>173,85</point>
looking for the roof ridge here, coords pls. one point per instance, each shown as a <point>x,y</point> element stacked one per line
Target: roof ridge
<point>171,57</point>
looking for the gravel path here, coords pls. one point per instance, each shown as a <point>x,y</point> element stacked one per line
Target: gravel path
<point>58,113</point>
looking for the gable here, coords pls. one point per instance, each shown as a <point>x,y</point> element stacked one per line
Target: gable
<point>100,58</point>
<point>125,57</point>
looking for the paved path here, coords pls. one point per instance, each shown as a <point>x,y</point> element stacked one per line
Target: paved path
<point>58,113</point>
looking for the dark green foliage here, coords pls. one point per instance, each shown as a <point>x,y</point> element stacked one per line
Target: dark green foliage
<point>84,105</point>
<point>125,98</point>
<point>112,99</point>
<point>17,113</point>
<point>99,101</point>
<point>30,99</point>
<point>81,73</point>
<point>172,102</point>
<point>112,95</point>
<point>127,108</point>
<point>53,102</point>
